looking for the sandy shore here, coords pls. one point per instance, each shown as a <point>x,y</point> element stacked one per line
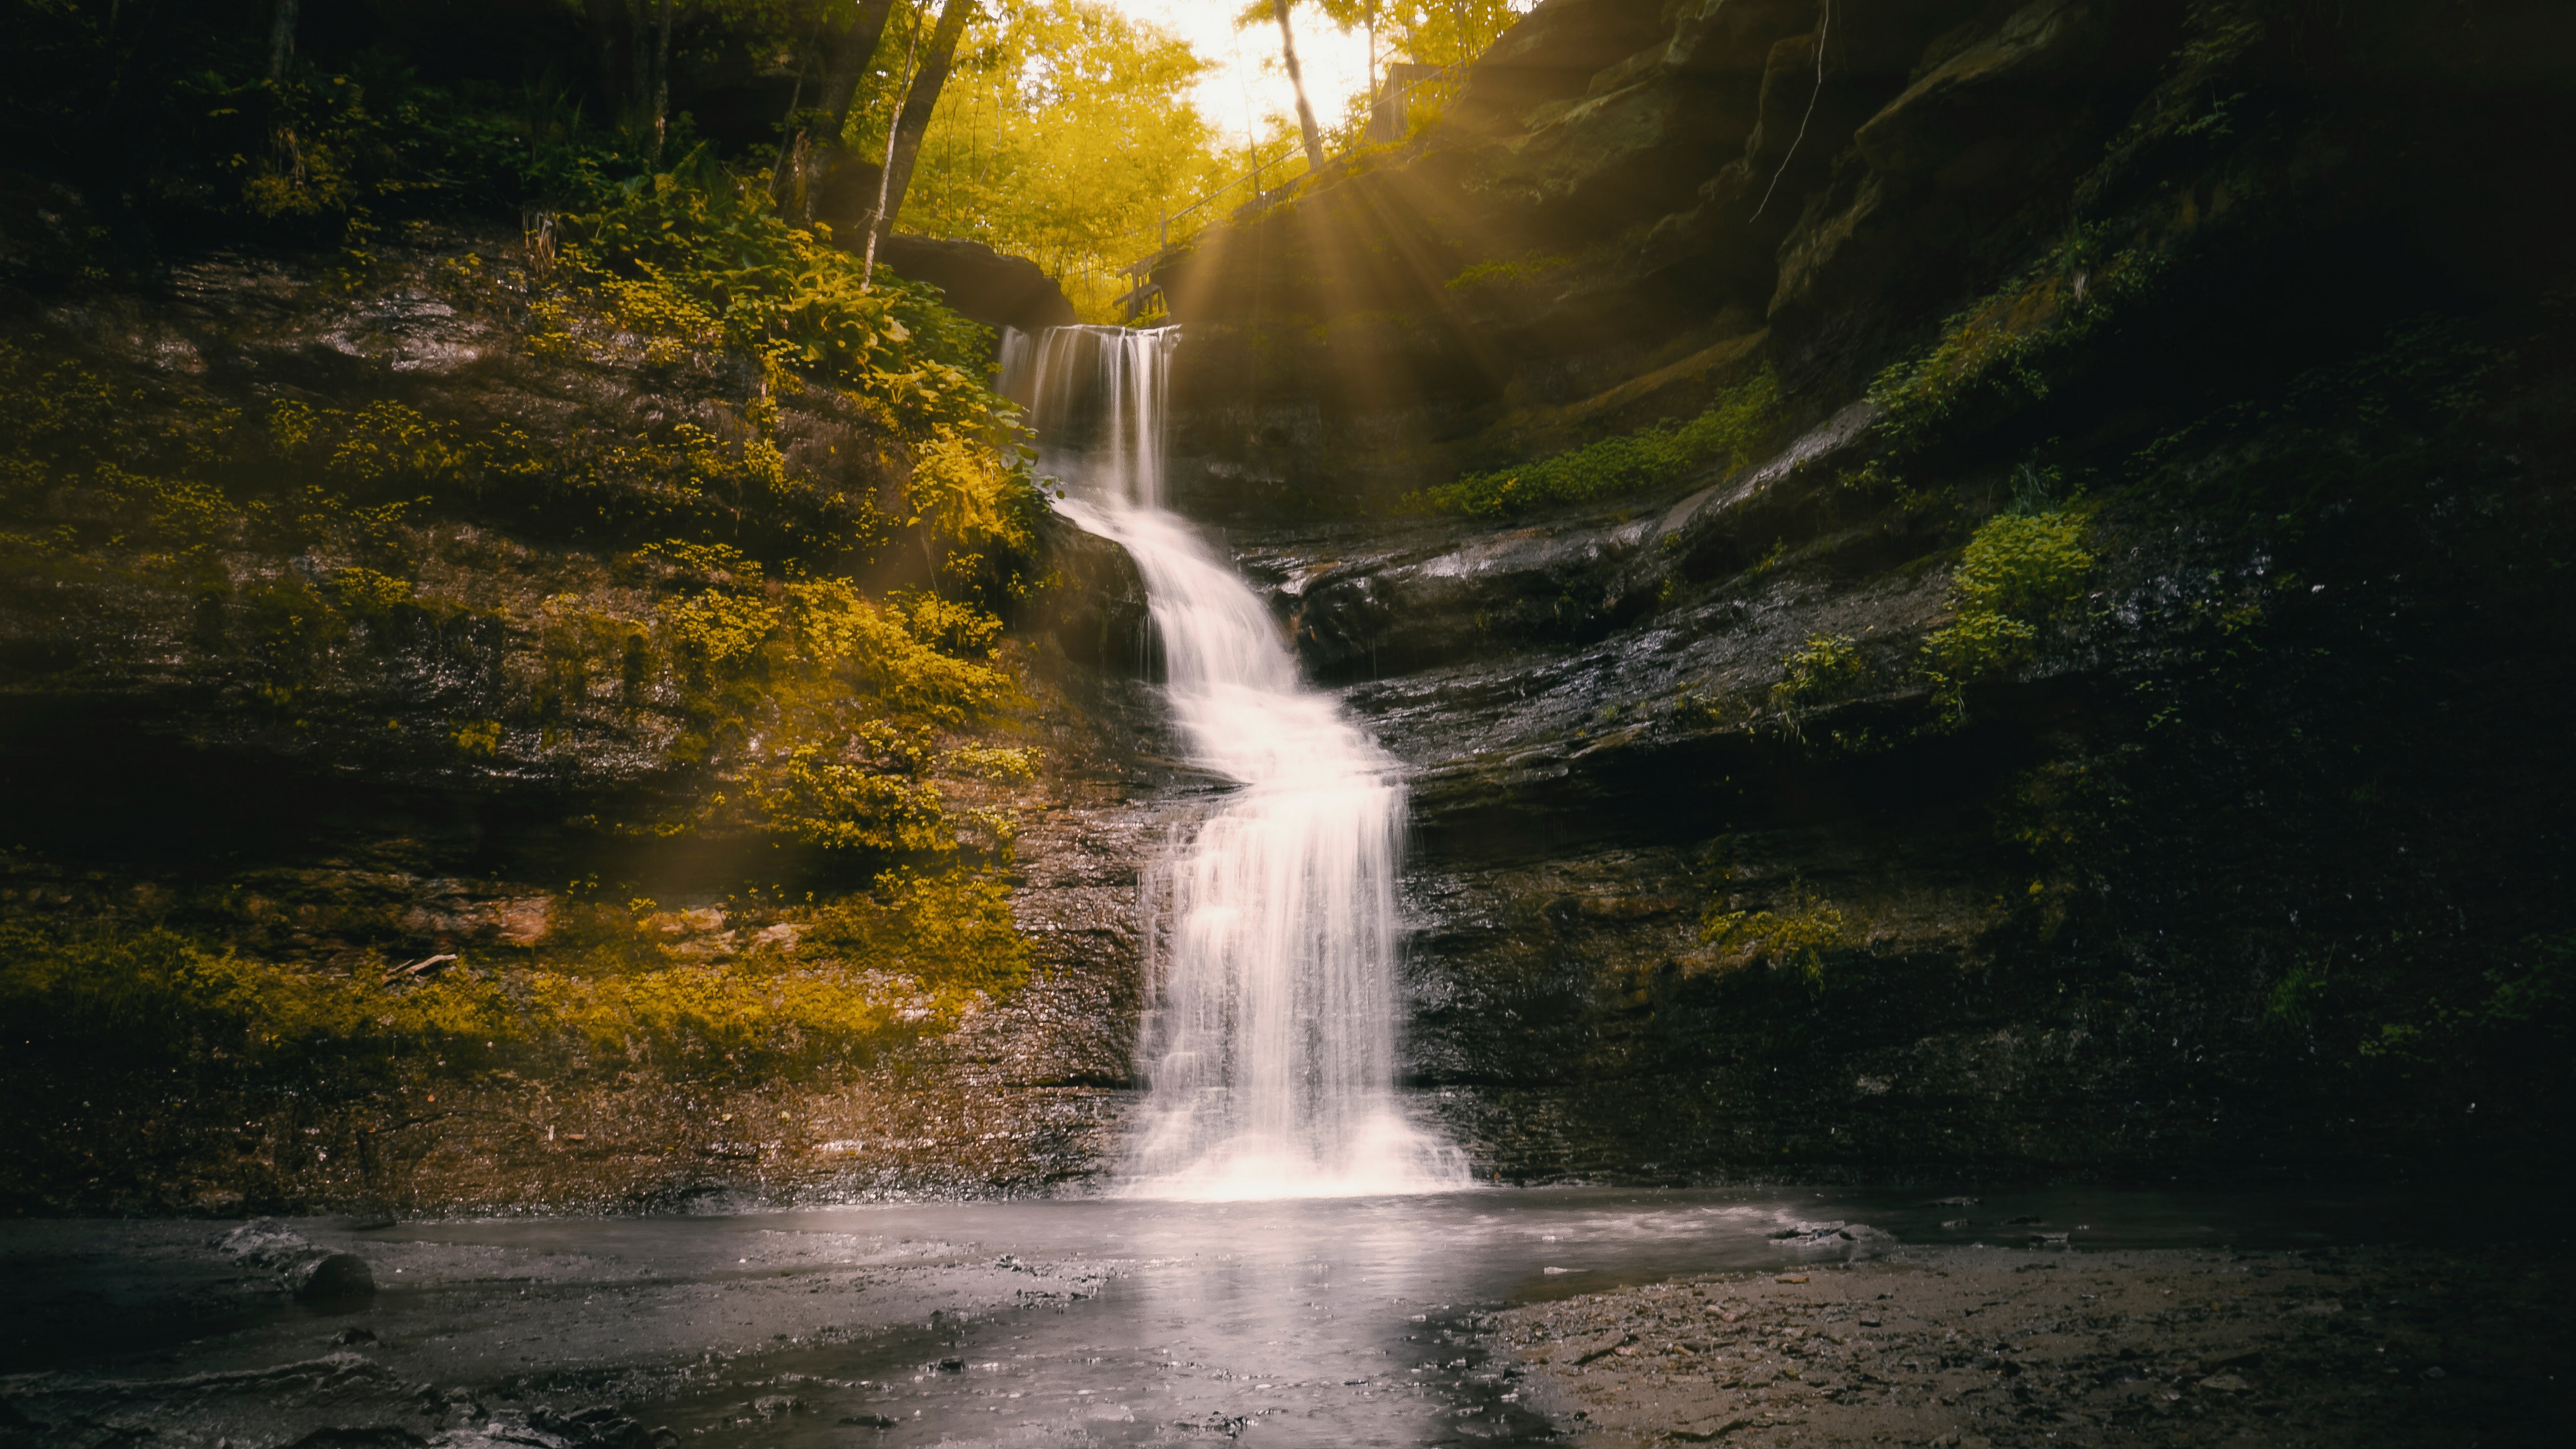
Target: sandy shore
<point>1993,1347</point>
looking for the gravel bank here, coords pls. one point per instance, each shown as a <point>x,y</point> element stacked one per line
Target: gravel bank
<point>1992,1347</point>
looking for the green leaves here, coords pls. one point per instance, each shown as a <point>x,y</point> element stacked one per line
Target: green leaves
<point>696,255</point>
<point>1064,133</point>
<point>1736,425</point>
<point>2022,564</point>
<point>2018,569</point>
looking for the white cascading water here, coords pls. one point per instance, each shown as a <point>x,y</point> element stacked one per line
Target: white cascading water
<point>1270,1044</point>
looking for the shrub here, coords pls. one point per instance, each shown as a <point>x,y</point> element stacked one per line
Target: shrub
<point>1732,430</point>
<point>1824,663</point>
<point>2008,351</point>
<point>2018,569</point>
<point>912,954</point>
<point>1801,934</point>
<point>697,254</point>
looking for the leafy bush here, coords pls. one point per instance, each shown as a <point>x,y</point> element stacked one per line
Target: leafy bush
<point>697,254</point>
<point>913,954</point>
<point>2017,570</point>
<point>1733,430</point>
<point>1824,663</point>
<point>2007,351</point>
<point>2023,564</point>
<point>1801,934</point>
<point>1503,273</point>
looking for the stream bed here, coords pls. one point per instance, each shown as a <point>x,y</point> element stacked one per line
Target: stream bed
<point>1356,1321</point>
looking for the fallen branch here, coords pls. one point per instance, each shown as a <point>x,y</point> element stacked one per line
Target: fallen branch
<point>418,968</point>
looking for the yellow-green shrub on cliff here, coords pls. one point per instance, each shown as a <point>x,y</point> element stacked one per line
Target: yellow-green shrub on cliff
<point>698,255</point>
<point>837,720</point>
<point>1728,434</point>
<point>2007,351</point>
<point>2017,570</point>
<point>913,954</point>
<point>972,511</point>
<point>1801,932</point>
<point>1816,669</point>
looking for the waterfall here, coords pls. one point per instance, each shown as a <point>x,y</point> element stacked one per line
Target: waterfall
<point>1269,1044</point>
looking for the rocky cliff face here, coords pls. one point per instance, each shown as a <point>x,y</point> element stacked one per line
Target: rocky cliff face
<point>1735,853</point>
<point>380,748</point>
<point>1633,200</point>
<point>2109,723</point>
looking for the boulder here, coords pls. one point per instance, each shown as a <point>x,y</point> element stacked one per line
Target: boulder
<point>993,288</point>
<point>1095,607</point>
<point>321,1276</point>
<point>311,1273</point>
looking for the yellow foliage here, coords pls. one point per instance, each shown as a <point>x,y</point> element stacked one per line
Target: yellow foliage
<point>861,796</point>
<point>388,440</point>
<point>2018,569</point>
<point>2023,563</point>
<point>915,954</point>
<point>967,498</point>
<point>367,593</point>
<point>718,627</point>
<point>1824,663</point>
<point>1801,934</point>
<point>900,650</point>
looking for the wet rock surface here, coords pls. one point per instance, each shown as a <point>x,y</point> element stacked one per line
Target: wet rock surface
<point>1720,864</point>
<point>1983,1346</point>
<point>145,1330</point>
<point>1608,748</point>
<point>308,1273</point>
<point>355,836</point>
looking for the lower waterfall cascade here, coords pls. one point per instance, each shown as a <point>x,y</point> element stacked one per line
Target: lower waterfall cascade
<point>1270,924</point>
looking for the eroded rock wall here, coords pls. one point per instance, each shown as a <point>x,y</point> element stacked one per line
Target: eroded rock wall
<point>1631,204</point>
<point>232,745</point>
<point>1729,859</point>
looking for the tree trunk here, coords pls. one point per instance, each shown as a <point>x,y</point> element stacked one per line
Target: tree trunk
<point>918,103</point>
<point>639,59</point>
<point>851,49</point>
<point>602,18</point>
<point>1372,40</point>
<point>885,172</point>
<point>662,80</point>
<point>281,37</point>
<point>1297,79</point>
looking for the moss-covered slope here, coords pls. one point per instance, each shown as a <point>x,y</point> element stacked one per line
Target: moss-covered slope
<point>480,712</point>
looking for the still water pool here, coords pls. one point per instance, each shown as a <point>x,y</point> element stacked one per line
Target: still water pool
<point>1103,1321</point>
<point>1300,1322</point>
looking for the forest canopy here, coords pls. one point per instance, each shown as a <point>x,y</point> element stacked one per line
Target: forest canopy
<point>1067,131</point>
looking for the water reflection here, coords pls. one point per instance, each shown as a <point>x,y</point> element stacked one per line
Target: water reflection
<point>1352,1321</point>
<point>1104,1321</point>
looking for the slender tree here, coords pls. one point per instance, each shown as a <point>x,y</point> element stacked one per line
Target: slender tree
<point>281,37</point>
<point>1297,79</point>
<point>639,57</point>
<point>603,19</point>
<point>920,99</point>
<point>885,171</point>
<point>851,47</point>
<point>662,80</point>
